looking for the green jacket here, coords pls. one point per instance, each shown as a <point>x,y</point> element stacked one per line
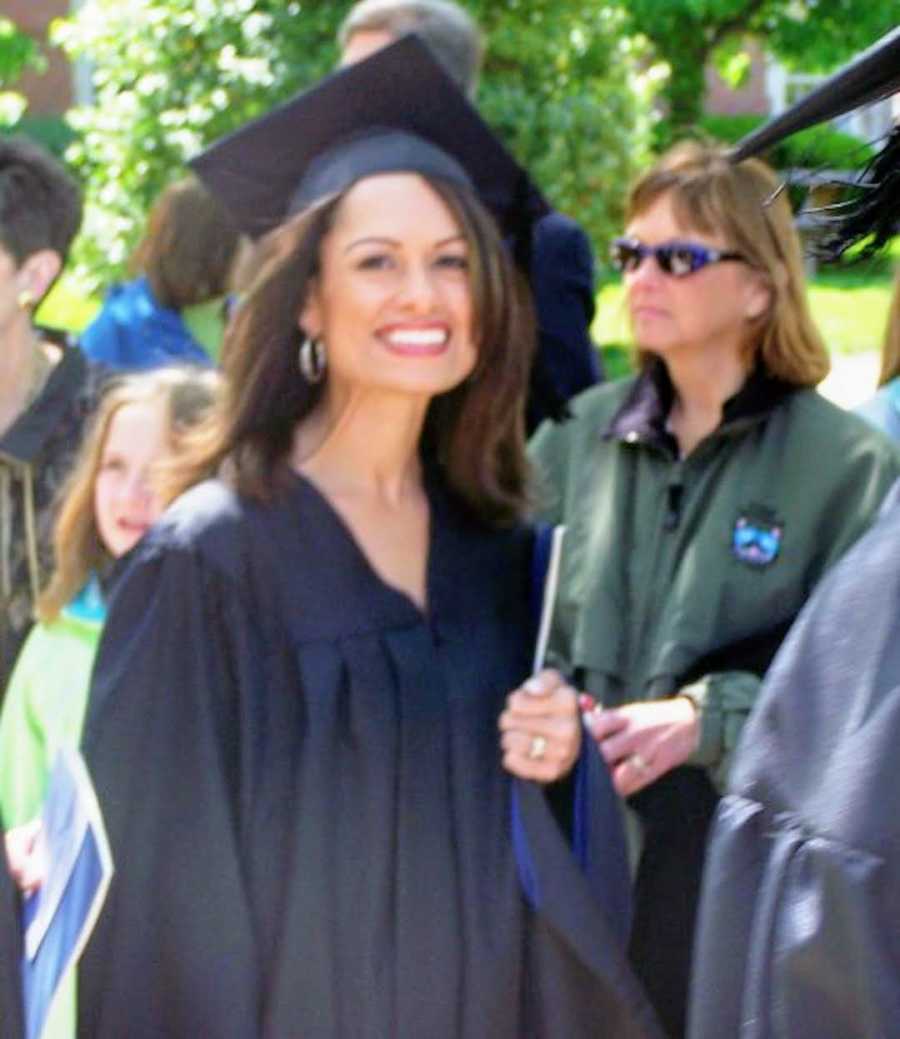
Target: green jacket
<point>44,708</point>
<point>45,702</point>
<point>685,574</point>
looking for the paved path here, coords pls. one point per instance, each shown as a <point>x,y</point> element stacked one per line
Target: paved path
<point>852,378</point>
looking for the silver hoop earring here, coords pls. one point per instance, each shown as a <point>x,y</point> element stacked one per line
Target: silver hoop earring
<point>312,359</point>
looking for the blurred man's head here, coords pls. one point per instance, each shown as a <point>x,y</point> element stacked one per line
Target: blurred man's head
<point>447,29</point>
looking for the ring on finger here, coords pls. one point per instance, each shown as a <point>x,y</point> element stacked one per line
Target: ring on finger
<point>537,748</point>
<point>639,762</point>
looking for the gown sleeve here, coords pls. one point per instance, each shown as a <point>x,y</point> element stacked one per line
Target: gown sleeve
<point>178,667</point>
<point>797,932</point>
<point>579,890</point>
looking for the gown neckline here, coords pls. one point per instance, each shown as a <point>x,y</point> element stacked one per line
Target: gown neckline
<point>423,613</point>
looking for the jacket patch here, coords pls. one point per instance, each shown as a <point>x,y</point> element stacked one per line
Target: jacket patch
<point>756,539</point>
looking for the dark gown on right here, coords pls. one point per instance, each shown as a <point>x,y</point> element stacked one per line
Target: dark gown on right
<point>799,927</point>
<point>312,830</point>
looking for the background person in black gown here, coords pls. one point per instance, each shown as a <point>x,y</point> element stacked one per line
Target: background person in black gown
<point>562,263</point>
<point>294,721</point>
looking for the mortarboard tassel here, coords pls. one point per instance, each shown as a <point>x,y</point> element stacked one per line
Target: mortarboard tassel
<point>872,218</point>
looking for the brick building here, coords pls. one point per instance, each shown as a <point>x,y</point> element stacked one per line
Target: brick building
<point>770,89</point>
<point>53,91</point>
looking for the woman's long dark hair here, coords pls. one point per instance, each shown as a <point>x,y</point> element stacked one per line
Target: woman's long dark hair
<point>475,432</point>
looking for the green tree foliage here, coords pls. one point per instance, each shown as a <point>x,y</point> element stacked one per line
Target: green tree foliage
<point>168,77</point>
<point>818,147</point>
<point>569,91</point>
<point>808,35</point>
<point>561,85</point>
<point>18,51</point>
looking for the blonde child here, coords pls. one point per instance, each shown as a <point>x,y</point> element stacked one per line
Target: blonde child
<point>109,502</point>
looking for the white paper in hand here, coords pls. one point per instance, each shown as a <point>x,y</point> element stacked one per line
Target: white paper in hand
<point>59,917</point>
<point>548,599</point>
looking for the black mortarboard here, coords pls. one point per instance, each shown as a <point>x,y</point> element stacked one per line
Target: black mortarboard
<point>396,110</point>
<point>874,212</point>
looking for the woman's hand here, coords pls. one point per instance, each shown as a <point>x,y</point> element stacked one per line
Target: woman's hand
<point>27,855</point>
<point>541,729</point>
<point>642,741</point>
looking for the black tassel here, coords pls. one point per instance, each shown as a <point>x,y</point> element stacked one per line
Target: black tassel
<point>872,216</point>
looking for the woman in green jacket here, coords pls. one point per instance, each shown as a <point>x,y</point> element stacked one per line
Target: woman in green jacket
<point>108,504</point>
<point>704,499</point>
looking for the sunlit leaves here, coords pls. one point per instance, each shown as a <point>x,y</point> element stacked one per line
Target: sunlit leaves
<point>17,53</point>
<point>807,35</point>
<point>564,85</point>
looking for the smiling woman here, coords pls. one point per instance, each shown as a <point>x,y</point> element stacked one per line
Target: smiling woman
<point>400,258</point>
<point>393,289</point>
<point>349,737</point>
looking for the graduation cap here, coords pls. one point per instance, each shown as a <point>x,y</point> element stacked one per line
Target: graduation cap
<point>395,111</point>
<point>874,212</point>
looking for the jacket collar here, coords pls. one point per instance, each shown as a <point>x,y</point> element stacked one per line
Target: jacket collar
<point>26,437</point>
<point>89,606</point>
<point>642,417</point>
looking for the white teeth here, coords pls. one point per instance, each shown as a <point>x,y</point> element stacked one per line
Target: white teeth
<point>418,337</point>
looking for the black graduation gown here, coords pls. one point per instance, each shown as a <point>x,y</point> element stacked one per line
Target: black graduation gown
<point>312,831</point>
<point>11,1025</point>
<point>799,926</point>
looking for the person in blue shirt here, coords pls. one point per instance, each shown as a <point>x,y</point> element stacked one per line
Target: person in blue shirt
<point>174,310</point>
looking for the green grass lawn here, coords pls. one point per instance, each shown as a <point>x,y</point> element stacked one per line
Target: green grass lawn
<point>850,312</point>
<point>850,308</point>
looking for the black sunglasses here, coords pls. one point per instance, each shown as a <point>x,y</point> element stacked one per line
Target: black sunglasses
<point>676,258</point>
